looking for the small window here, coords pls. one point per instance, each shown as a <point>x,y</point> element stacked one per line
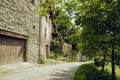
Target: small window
<point>32,2</point>
<point>33,26</point>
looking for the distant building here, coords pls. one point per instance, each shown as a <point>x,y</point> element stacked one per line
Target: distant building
<point>24,35</point>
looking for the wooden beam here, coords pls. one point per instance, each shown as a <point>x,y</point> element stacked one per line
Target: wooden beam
<point>12,34</point>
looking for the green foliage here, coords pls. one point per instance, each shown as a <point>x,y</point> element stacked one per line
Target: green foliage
<point>59,14</point>
<point>71,57</point>
<point>58,11</point>
<point>45,6</point>
<point>117,58</point>
<point>42,61</point>
<point>100,22</point>
<point>95,19</point>
<point>98,61</point>
<point>90,72</point>
<point>56,55</point>
<point>52,55</point>
<point>117,70</point>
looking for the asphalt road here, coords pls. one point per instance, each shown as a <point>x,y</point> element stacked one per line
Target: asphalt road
<point>55,72</point>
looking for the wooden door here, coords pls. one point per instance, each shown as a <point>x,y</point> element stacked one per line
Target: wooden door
<point>47,51</point>
<point>12,50</point>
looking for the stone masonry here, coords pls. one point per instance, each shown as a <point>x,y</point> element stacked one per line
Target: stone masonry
<point>21,16</point>
<point>45,35</point>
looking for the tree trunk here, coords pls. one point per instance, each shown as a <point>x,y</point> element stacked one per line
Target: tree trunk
<point>112,62</point>
<point>103,63</point>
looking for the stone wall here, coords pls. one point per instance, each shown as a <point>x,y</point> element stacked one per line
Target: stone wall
<point>67,48</point>
<point>45,36</point>
<point>21,16</point>
<point>81,57</point>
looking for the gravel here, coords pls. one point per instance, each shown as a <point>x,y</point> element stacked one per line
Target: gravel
<point>63,71</point>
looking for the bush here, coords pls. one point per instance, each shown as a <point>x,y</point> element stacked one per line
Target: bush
<point>63,57</point>
<point>57,56</point>
<point>52,55</point>
<point>90,72</point>
<point>84,72</point>
<point>42,61</point>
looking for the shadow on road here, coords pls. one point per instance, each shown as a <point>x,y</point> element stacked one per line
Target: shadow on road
<point>62,74</point>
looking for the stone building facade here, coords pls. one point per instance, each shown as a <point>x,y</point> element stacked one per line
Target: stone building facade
<point>19,19</point>
<point>45,35</point>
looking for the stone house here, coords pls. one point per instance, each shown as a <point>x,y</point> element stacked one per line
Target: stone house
<point>45,36</point>
<point>24,35</point>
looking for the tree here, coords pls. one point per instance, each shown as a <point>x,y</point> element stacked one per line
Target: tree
<point>99,20</point>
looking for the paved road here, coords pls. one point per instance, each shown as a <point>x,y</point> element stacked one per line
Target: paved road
<point>55,72</point>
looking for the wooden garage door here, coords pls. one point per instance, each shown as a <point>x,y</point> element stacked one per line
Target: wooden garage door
<point>12,50</point>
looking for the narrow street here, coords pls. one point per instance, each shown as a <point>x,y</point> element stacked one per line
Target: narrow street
<point>55,72</point>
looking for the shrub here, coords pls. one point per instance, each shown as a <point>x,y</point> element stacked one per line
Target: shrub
<point>84,72</point>
<point>90,72</point>
<point>42,61</point>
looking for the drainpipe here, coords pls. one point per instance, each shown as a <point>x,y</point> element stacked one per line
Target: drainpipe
<point>39,54</point>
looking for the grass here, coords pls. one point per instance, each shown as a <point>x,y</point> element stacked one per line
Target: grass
<point>56,56</point>
<point>117,70</point>
<point>59,57</point>
<point>91,72</point>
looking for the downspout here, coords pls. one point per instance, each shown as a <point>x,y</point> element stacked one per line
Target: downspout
<point>39,53</point>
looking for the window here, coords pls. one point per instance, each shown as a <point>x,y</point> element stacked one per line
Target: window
<point>32,2</point>
<point>33,26</point>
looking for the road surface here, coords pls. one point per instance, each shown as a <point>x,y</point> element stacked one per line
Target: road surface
<point>55,72</point>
